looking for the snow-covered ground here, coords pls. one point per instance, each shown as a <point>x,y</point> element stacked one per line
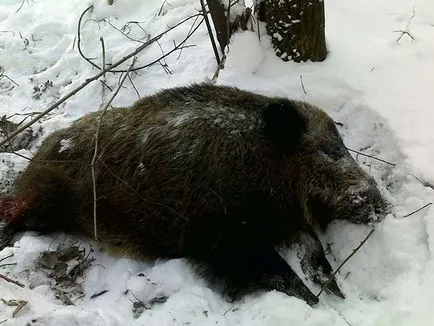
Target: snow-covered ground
<point>379,85</point>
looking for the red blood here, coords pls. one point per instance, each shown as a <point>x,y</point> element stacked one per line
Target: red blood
<point>12,207</point>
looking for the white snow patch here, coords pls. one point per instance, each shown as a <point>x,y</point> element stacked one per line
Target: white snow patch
<point>65,144</point>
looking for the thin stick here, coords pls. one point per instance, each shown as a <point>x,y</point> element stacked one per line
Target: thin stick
<point>210,33</point>
<point>104,110</point>
<point>96,295</point>
<point>302,85</point>
<point>129,56</point>
<point>83,85</point>
<point>345,261</point>
<point>101,39</point>
<point>10,264</point>
<point>22,4</point>
<point>370,156</point>
<point>79,37</point>
<point>103,71</point>
<point>103,78</point>
<point>11,280</point>
<point>7,257</point>
<point>425,183</point>
<point>134,86</point>
<point>417,210</point>
<point>21,305</point>
<point>179,46</point>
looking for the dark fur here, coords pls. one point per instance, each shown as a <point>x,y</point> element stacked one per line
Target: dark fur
<point>216,174</point>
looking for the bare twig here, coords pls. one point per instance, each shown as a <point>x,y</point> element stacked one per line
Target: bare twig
<point>425,183</point>
<point>179,46</point>
<point>370,156</point>
<point>340,314</point>
<point>10,264</point>
<point>105,84</point>
<point>161,8</point>
<point>96,295</point>
<point>125,34</point>
<point>8,279</point>
<point>7,257</point>
<point>101,39</point>
<point>134,86</point>
<point>21,6</point>
<point>345,261</point>
<point>104,110</point>
<point>231,308</point>
<point>210,33</point>
<point>164,65</point>
<point>402,34</point>
<point>302,85</point>
<point>83,85</point>
<point>405,30</point>
<point>79,37</point>
<point>2,74</point>
<point>21,304</point>
<point>146,43</point>
<point>417,210</point>
<point>103,78</point>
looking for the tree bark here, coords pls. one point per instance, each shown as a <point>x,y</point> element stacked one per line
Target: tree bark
<point>297,28</point>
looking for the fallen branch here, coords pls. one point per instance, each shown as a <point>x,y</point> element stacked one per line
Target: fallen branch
<point>302,85</point>
<point>417,210</point>
<point>425,183</point>
<point>345,261</point>
<point>405,30</point>
<point>108,69</point>
<point>8,279</point>
<point>2,74</point>
<point>7,257</point>
<point>104,110</point>
<point>370,156</point>
<point>19,304</point>
<point>150,41</point>
<point>83,85</point>
<point>96,295</point>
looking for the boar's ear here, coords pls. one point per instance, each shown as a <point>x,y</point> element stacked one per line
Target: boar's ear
<point>284,125</point>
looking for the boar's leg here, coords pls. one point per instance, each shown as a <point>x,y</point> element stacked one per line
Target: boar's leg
<point>258,266</point>
<point>314,262</point>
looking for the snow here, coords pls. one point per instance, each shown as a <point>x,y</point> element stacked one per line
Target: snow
<point>379,85</point>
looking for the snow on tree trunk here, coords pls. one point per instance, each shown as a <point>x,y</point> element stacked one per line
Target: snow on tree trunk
<point>296,28</point>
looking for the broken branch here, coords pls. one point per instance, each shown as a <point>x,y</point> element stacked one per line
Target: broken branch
<point>345,261</point>
<point>8,279</point>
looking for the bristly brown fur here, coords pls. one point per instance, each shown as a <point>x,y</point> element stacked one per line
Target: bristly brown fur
<point>207,172</point>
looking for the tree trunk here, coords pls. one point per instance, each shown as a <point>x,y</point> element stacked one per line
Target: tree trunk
<point>297,28</point>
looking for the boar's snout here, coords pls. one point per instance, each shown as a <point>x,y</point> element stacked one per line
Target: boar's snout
<point>363,204</point>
